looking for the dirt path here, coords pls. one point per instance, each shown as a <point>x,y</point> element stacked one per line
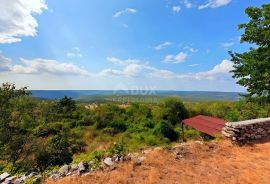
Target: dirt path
<point>205,164</point>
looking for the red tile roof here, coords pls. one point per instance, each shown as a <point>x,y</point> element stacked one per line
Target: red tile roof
<point>206,124</point>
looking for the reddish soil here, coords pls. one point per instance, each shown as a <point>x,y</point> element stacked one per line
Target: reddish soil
<point>209,163</point>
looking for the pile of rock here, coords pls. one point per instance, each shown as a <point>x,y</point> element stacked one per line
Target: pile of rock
<point>6,178</point>
<point>246,131</point>
<point>85,167</point>
<point>81,168</point>
<point>71,170</point>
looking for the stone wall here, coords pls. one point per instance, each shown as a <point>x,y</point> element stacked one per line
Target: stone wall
<point>246,131</point>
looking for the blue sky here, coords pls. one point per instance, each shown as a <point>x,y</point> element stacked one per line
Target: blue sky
<point>129,44</point>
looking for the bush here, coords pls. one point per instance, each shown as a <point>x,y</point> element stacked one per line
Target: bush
<point>116,148</point>
<point>48,129</point>
<point>66,105</point>
<point>54,153</point>
<point>118,126</point>
<point>105,114</point>
<point>166,129</point>
<point>173,111</point>
<point>148,123</point>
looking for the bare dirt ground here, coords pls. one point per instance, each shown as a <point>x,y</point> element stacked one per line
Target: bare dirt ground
<point>191,163</point>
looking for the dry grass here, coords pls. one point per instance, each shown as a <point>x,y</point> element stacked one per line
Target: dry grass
<point>209,163</point>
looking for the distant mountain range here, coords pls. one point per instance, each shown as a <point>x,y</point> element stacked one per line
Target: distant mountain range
<point>92,94</point>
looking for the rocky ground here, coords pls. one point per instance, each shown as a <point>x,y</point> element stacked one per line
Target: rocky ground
<point>195,162</point>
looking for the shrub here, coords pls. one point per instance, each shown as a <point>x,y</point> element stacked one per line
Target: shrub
<point>166,129</point>
<point>105,114</point>
<point>116,148</point>
<point>66,105</point>
<point>148,123</point>
<point>118,126</point>
<point>47,129</point>
<point>173,110</point>
<point>54,152</point>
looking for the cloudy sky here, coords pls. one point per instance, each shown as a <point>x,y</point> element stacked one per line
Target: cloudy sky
<point>102,44</point>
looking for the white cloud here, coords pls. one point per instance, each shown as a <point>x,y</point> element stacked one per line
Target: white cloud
<point>34,71</point>
<point>125,11</point>
<point>176,9</point>
<point>223,68</point>
<point>214,4</point>
<point>121,62</point>
<point>164,74</point>
<point>163,45</point>
<point>75,52</point>
<point>179,58</point>
<point>190,49</point>
<point>136,68</point>
<point>130,70</point>
<point>131,67</point>
<point>40,66</point>
<point>16,19</point>
<point>194,65</point>
<point>187,4</point>
<point>227,45</point>
<point>5,63</point>
<point>125,25</point>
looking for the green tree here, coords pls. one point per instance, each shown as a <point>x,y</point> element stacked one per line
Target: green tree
<point>16,123</point>
<point>252,68</point>
<point>66,105</point>
<point>103,115</point>
<point>166,129</point>
<point>31,135</point>
<point>55,152</point>
<point>173,110</point>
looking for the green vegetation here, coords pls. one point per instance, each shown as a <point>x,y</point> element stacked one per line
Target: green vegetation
<point>230,111</point>
<point>39,134</point>
<point>36,135</point>
<point>186,96</point>
<point>252,68</point>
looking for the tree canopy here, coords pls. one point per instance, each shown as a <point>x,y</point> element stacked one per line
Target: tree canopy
<point>252,68</point>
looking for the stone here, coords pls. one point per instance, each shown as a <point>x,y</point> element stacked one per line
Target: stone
<point>4,176</point>
<point>83,167</point>
<point>20,180</point>
<point>108,161</point>
<point>139,161</point>
<point>37,179</point>
<point>74,167</point>
<point>115,158</point>
<point>5,182</point>
<point>258,136</point>
<point>17,181</point>
<point>122,158</point>
<point>73,173</point>
<point>128,157</point>
<point>64,169</point>
<point>199,142</point>
<point>180,156</point>
<point>247,131</point>
<point>10,179</point>
<point>32,174</point>
<point>56,176</point>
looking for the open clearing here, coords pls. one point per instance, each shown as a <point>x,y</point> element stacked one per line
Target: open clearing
<point>213,162</point>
